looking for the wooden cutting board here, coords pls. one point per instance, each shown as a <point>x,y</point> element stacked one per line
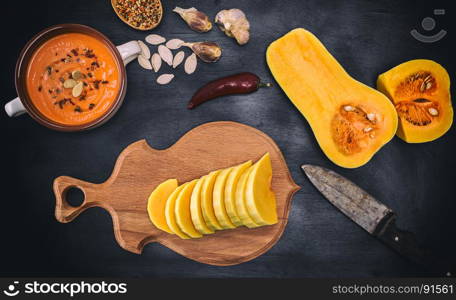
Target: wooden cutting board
<point>140,168</point>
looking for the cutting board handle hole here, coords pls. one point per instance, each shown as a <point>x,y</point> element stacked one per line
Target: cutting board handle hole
<point>74,196</point>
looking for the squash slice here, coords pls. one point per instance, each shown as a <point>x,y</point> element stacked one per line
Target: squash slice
<point>420,91</point>
<point>206,201</point>
<point>241,203</point>
<point>169,212</point>
<point>350,120</point>
<point>195,209</point>
<point>182,211</point>
<point>230,192</point>
<point>260,199</point>
<point>219,201</point>
<point>157,202</point>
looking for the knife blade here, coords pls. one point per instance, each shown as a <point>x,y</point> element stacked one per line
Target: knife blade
<point>373,216</point>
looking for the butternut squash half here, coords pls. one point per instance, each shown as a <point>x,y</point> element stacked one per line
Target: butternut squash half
<point>350,120</point>
<point>420,91</point>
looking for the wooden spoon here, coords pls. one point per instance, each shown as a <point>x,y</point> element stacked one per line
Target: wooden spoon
<point>160,7</point>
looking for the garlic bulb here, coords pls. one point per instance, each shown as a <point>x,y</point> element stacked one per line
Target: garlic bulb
<point>234,23</point>
<point>196,19</point>
<point>206,51</point>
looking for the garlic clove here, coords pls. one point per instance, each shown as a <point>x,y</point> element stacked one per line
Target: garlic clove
<point>234,23</point>
<point>194,18</point>
<point>206,51</point>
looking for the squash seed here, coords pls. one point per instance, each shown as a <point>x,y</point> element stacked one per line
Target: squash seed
<point>144,50</point>
<point>77,89</point>
<point>69,83</point>
<point>165,54</point>
<point>144,62</point>
<point>155,39</point>
<point>76,75</point>
<point>156,62</point>
<point>433,111</point>
<point>174,44</point>
<point>367,129</point>
<point>428,85</point>
<point>349,108</point>
<point>165,78</point>
<point>190,64</point>
<point>371,117</point>
<point>178,58</point>
<point>422,87</point>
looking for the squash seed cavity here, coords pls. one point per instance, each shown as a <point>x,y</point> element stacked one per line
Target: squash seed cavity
<point>353,129</point>
<point>419,112</point>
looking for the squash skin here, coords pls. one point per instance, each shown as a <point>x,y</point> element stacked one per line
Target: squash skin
<point>388,82</point>
<point>318,86</point>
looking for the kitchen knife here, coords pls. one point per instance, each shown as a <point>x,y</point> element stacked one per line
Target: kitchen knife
<point>373,216</point>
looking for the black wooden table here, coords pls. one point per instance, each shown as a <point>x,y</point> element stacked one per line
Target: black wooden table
<point>367,37</point>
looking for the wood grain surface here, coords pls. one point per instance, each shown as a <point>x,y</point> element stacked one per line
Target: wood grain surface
<point>140,168</point>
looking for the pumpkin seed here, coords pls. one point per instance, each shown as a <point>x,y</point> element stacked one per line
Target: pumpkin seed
<point>190,64</point>
<point>178,58</point>
<point>371,117</point>
<point>174,44</point>
<point>144,50</point>
<point>77,89</point>
<point>165,78</point>
<point>349,108</point>
<point>165,54</point>
<point>69,83</point>
<point>433,111</point>
<point>155,39</point>
<point>76,75</point>
<point>156,62</point>
<point>144,62</point>
<point>367,129</point>
<point>428,85</point>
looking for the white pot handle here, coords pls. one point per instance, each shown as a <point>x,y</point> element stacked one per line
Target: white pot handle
<point>129,51</point>
<point>15,108</point>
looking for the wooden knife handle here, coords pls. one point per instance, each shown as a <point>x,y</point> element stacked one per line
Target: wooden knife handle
<point>406,244</point>
<point>64,212</point>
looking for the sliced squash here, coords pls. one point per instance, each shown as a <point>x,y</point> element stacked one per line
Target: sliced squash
<point>218,199</point>
<point>260,199</point>
<point>157,202</point>
<point>241,203</point>
<point>350,120</point>
<point>230,192</point>
<point>169,212</point>
<point>420,91</point>
<point>206,201</point>
<point>195,209</point>
<point>182,211</point>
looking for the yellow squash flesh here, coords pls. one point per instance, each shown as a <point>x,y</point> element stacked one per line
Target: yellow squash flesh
<point>170,215</point>
<point>241,203</point>
<point>323,92</point>
<point>182,211</point>
<point>259,197</point>
<point>206,201</point>
<point>218,199</point>
<point>230,192</point>
<point>195,209</point>
<point>417,88</point>
<point>157,202</point>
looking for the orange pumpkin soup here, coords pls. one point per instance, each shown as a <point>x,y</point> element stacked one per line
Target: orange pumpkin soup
<point>73,79</point>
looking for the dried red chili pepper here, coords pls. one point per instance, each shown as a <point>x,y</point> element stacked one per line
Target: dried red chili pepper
<point>242,83</point>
